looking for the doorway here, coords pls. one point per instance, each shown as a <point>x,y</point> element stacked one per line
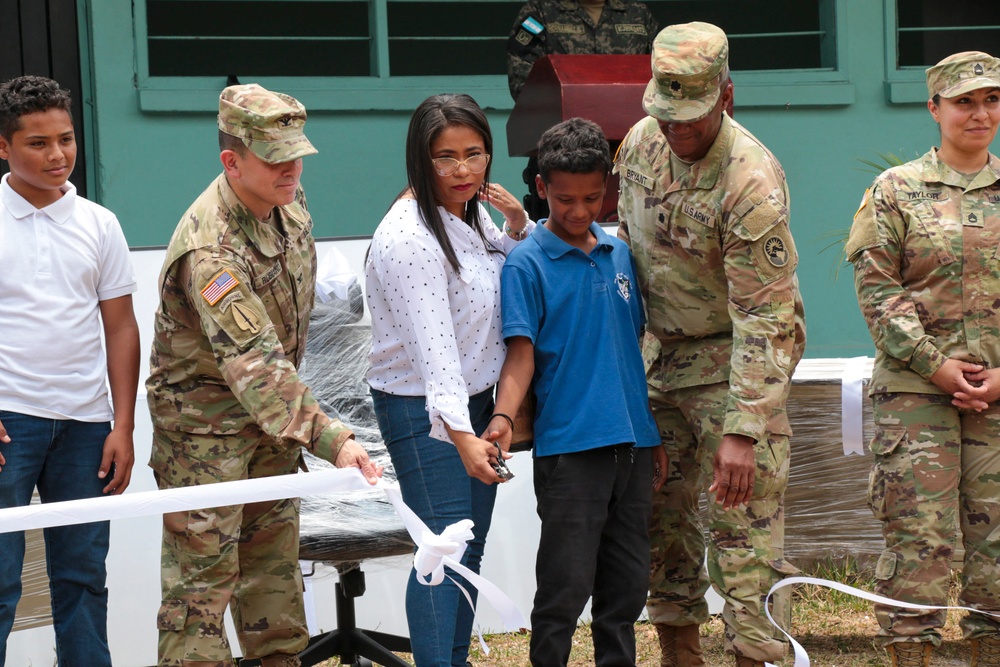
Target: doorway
<point>41,37</point>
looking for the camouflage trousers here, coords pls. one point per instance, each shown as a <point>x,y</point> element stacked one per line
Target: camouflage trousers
<point>746,545</point>
<point>242,556</point>
<point>936,471</point>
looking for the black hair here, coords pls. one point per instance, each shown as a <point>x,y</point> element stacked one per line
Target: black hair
<point>432,117</point>
<point>29,94</point>
<point>576,146</point>
<point>228,142</point>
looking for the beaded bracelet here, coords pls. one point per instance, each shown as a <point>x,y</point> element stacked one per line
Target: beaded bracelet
<point>517,236</point>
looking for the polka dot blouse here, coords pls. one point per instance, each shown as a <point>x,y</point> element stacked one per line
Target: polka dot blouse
<point>435,331</point>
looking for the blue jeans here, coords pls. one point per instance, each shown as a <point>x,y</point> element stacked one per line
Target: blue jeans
<point>436,487</point>
<point>61,457</point>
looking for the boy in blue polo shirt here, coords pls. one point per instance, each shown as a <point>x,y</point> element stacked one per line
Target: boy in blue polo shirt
<point>572,316</point>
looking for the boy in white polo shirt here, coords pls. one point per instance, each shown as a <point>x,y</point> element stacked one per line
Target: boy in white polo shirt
<point>65,275</point>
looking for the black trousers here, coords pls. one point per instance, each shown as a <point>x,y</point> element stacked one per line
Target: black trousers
<point>595,511</point>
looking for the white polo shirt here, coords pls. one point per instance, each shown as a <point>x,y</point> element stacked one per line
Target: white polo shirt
<point>56,264</point>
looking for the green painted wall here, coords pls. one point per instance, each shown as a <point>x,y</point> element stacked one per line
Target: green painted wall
<point>152,165</point>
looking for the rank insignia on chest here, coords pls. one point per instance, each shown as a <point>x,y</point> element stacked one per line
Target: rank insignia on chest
<point>974,218</point>
<point>219,286</point>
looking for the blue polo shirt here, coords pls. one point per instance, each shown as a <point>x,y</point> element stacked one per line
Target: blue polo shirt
<point>583,314</point>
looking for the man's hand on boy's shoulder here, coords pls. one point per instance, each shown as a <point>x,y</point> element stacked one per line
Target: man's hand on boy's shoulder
<point>119,455</point>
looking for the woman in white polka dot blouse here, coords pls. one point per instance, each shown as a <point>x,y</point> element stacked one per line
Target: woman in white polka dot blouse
<point>433,286</point>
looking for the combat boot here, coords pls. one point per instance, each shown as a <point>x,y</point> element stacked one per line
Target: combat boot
<point>985,652</point>
<point>910,654</point>
<point>743,661</point>
<point>680,646</point>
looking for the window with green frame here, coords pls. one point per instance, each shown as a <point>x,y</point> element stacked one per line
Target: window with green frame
<point>391,53</point>
<point>339,38</point>
<point>764,34</point>
<point>223,38</point>
<point>922,32</point>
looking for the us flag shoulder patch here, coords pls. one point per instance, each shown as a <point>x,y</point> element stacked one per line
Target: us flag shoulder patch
<point>219,286</point>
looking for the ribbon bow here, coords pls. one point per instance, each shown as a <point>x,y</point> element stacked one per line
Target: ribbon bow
<point>436,551</point>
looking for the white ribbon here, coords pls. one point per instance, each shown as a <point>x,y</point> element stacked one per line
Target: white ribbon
<point>429,560</point>
<point>851,404</point>
<point>433,551</point>
<point>148,503</point>
<point>436,551</point>
<point>801,657</point>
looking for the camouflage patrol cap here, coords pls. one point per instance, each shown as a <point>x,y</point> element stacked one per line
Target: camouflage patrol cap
<point>270,124</point>
<point>690,63</point>
<point>964,72</point>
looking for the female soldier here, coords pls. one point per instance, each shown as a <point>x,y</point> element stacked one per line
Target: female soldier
<point>433,283</point>
<point>924,245</point>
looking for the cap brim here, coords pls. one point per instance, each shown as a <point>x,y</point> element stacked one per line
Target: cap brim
<point>676,110</point>
<point>969,85</point>
<point>286,150</point>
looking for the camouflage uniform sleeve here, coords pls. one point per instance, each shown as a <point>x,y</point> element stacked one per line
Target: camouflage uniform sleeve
<point>875,248</point>
<point>760,261</point>
<point>250,357</point>
<point>624,202</point>
<point>523,47</point>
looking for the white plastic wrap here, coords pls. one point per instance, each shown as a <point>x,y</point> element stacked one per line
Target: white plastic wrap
<point>826,510</point>
<point>346,527</point>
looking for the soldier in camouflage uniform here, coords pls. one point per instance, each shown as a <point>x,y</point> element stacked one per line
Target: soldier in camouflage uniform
<point>568,26</point>
<point>924,248</point>
<point>704,207</point>
<point>236,292</point>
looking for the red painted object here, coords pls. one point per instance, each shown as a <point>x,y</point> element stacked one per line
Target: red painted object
<point>606,89</point>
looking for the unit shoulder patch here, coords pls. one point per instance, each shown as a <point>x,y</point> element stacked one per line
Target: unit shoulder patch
<point>864,230</point>
<point>775,251</point>
<point>246,317</point>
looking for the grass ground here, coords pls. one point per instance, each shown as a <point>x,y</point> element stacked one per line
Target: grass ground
<point>834,628</point>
